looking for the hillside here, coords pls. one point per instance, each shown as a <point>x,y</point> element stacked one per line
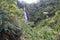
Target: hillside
<point>43,24</point>
<point>47,29</point>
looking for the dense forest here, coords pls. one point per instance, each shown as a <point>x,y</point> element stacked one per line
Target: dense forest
<point>43,20</point>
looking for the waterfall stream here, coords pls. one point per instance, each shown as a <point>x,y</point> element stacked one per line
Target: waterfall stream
<point>25,14</point>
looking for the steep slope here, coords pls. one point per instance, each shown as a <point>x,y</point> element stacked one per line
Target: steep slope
<point>47,29</point>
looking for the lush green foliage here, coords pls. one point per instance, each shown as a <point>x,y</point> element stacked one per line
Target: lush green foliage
<point>46,28</point>
<point>9,24</point>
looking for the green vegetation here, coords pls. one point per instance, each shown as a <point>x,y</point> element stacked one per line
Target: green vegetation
<point>9,15</point>
<point>41,27</point>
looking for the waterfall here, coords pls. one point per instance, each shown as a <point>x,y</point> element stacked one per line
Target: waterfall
<point>25,14</point>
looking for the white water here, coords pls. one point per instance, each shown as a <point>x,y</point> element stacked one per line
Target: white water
<point>25,15</point>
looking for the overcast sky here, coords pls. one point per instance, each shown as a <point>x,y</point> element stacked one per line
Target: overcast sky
<point>29,1</point>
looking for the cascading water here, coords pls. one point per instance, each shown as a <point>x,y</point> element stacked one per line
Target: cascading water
<point>25,14</point>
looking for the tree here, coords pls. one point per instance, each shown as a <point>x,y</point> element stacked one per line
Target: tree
<point>9,14</point>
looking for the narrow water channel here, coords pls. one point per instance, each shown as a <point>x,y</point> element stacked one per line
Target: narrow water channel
<point>25,14</point>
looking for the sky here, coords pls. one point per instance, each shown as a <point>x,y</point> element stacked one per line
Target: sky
<point>29,1</point>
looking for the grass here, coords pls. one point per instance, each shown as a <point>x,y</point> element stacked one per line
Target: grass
<point>43,30</point>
